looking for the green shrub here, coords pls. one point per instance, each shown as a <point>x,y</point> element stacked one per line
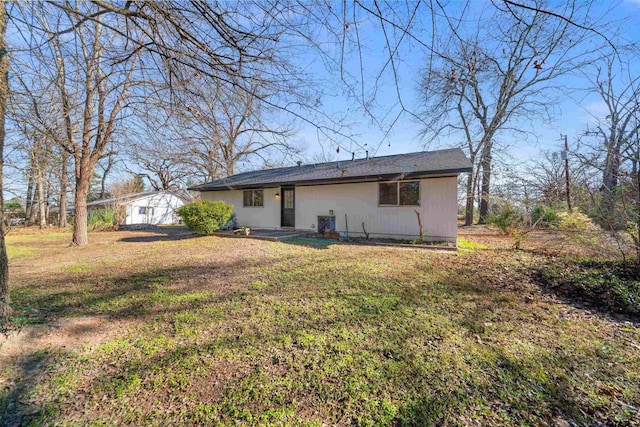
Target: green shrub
<point>556,217</point>
<point>102,216</point>
<point>109,216</point>
<point>545,216</point>
<point>94,217</point>
<point>506,218</point>
<point>575,220</point>
<point>205,217</point>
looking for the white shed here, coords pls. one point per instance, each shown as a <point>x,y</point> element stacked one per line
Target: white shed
<point>150,207</point>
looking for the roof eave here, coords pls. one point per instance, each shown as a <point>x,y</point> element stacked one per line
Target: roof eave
<point>345,180</point>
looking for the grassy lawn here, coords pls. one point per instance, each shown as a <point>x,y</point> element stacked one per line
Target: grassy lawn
<point>215,331</point>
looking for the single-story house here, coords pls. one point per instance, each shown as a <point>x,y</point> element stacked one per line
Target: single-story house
<point>149,207</point>
<point>379,194</point>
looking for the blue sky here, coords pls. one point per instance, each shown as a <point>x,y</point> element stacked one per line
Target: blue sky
<point>574,113</point>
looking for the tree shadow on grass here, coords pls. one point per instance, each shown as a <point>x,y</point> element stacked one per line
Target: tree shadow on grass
<point>15,409</point>
<point>30,368</point>
<point>160,238</point>
<point>514,390</point>
<point>129,296</point>
<point>122,297</point>
<point>511,395</point>
<point>611,288</point>
<point>523,388</point>
<point>162,234</point>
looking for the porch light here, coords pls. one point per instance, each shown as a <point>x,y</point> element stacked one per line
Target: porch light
<point>277,196</point>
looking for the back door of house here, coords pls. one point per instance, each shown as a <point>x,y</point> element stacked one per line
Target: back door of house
<point>288,202</point>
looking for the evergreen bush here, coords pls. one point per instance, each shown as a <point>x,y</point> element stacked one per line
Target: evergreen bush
<point>205,217</point>
<point>506,218</point>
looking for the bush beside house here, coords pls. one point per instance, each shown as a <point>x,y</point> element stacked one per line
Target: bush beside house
<point>205,217</point>
<point>101,219</point>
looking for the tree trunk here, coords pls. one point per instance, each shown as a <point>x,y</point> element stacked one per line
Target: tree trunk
<point>33,213</point>
<point>486,185</point>
<point>609,186</point>
<point>468,210</point>
<point>230,167</point>
<point>5,309</point>
<point>80,225</point>
<point>637,177</point>
<point>47,197</point>
<point>42,214</point>
<point>29,201</point>
<point>468,213</point>
<point>62,214</point>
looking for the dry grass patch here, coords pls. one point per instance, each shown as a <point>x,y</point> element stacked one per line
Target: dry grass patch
<point>216,331</point>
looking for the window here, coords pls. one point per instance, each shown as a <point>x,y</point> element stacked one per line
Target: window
<point>399,193</point>
<point>253,198</point>
<point>143,210</point>
<point>288,199</point>
<point>410,193</point>
<point>389,193</point>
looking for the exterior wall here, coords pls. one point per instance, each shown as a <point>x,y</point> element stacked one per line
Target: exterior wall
<point>438,210</point>
<point>267,216</point>
<point>359,201</point>
<point>163,204</point>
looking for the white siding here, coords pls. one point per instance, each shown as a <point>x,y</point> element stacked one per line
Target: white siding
<point>267,216</point>
<point>438,209</point>
<point>359,201</point>
<point>160,208</point>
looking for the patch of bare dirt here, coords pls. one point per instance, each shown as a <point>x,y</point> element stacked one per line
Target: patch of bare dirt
<point>62,333</point>
<point>25,354</point>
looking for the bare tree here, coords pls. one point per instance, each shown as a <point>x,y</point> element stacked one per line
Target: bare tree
<point>631,180</point>
<point>223,126</point>
<point>94,75</point>
<point>34,115</point>
<point>5,308</point>
<point>63,179</point>
<point>617,131</point>
<point>235,44</point>
<point>163,169</point>
<point>106,164</point>
<point>490,82</point>
<point>548,180</point>
<point>29,197</point>
<point>159,150</point>
<point>39,148</point>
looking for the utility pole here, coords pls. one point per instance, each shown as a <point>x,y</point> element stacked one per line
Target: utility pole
<point>565,156</point>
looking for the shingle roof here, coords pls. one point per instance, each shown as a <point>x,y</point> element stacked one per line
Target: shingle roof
<point>399,166</point>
